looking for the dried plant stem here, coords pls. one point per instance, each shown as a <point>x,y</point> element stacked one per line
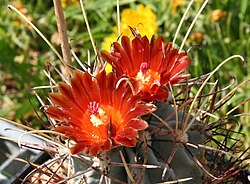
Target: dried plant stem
<point>182,20</point>
<point>231,92</point>
<point>89,31</point>
<point>37,30</point>
<point>203,85</point>
<point>128,82</point>
<point>164,122</point>
<point>16,124</point>
<point>118,17</point>
<point>242,103</point>
<point>44,165</point>
<point>192,25</point>
<point>42,136</point>
<point>175,108</point>
<point>130,176</point>
<point>167,163</point>
<point>200,109</point>
<point>177,181</point>
<point>62,30</point>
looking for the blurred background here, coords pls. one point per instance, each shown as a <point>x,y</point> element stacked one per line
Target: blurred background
<point>222,30</point>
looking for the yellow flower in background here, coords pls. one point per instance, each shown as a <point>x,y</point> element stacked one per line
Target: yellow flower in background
<point>106,44</point>
<point>142,18</point>
<point>68,2</point>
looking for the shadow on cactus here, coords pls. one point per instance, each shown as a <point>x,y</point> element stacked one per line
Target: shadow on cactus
<point>144,122</point>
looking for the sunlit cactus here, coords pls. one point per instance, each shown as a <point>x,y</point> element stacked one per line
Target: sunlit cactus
<point>145,121</point>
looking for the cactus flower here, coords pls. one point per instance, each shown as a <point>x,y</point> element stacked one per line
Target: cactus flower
<point>97,114</point>
<point>150,66</point>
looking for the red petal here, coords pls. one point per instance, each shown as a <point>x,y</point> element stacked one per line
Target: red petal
<point>66,103</point>
<point>137,55</point>
<point>74,133</point>
<point>124,59</point>
<point>179,78</point>
<point>137,111</point>
<point>77,148</point>
<point>127,137</point>
<point>105,91</point>
<point>65,90</point>
<point>108,57</point>
<point>80,94</point>
<point>54,113</point>
<point>137,124</point>
<point>90,86</point>
<point>125,41</point>
<point>146,50</point>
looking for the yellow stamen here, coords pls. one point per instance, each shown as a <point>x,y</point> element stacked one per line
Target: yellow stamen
<point>148,78</point>
<point>100,118</point>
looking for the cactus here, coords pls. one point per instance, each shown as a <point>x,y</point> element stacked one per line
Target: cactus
<point>162,143</point>
<point>128,126</point>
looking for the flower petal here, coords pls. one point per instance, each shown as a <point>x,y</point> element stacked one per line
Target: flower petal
<point>149,66</point>
<point>93,112</point>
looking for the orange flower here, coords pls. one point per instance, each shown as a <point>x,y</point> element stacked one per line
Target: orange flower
<point>95,114</point>
<point>175,4</point>
<point>150,66</point>
<point>197,36</point>
<point>218,15</point>
<point>18,5</point>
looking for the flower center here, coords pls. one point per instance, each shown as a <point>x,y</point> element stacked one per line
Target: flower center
<point>98,115</point>
<point>147,77</point>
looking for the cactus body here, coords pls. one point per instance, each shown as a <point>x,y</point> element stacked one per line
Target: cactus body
<point>157,152</point>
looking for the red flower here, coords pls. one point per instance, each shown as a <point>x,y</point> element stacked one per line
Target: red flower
<point>150,66</point>
<point>95,114</point>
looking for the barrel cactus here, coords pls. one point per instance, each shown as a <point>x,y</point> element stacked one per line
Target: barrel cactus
<point>140,122</point>
<point>126,126</point>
